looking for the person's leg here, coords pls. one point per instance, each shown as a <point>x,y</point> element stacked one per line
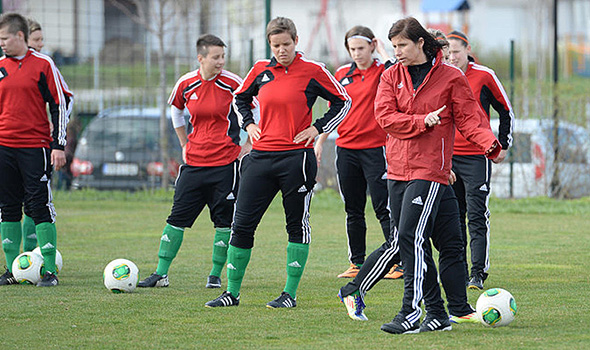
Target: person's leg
<point>29,234</point>
<point>446,238</point>
<point>221,206</point>
<point>297,172</point>
<point>459,189</point>
<point>353,189</point>
<point>477,189</point>
<point>189,200</point>
<point>375,170</point>
<point>11,199</point>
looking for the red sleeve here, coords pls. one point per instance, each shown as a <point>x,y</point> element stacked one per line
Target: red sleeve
<point>464,107</point>
<point>388,115</point>
<point>176,98</point>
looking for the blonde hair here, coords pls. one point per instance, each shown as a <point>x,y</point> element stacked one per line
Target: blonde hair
<point>33,25</point>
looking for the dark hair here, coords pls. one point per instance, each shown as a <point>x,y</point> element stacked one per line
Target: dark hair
<point>459,36</point>
<point>15,23</point>
<point>205,41</point>
<point>281,25</point>
<point>411,29</point>
<point>33,25</point>
<point>358,30</point>
<point>462,39</point>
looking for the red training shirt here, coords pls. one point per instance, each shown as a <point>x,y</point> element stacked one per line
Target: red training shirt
<point>215,139</point>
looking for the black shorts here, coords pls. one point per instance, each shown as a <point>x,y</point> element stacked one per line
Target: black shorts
<point>216,187</point>
<point>25,176</point>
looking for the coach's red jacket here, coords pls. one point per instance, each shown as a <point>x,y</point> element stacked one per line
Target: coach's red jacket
<point>414,151</point>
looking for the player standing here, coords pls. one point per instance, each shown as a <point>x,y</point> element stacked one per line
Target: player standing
<point>473,169</point>
<point>419,101</point>
<point>282,157</point>
<point>360,146</point>
<point>211,153</point>
<point>28,81</point>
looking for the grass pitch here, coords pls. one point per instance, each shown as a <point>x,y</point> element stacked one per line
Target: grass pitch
<point>540,253</point>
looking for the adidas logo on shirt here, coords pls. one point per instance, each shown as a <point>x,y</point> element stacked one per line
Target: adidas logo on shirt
<point>294,264</point>
<point>230,196</point>
<point>7,241</point>
<point>231,267</point>
<point>345,81</point>
<point>48,245</point>
<point>400,85</point>
<point>220,244</point>
<point>194,97</point>
<point>265,78</point>
<point>302,189</point>
<point>417,201</point>
<point>483,188</point>
<point>165,238</point>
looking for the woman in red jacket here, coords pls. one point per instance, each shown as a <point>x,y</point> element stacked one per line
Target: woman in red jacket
<point>419,103</point>
<point>469,163</point>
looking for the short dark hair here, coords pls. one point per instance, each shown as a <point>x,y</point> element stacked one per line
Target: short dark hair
<point>207,40</point>
<point>281,25</point>
<point>15,23</point>
<point>411,29</point>
<point>358,30</point>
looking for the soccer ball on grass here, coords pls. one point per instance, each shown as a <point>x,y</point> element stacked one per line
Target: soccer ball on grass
<point>26,268</point>
<point>120,276</point>
<point>496,307</point>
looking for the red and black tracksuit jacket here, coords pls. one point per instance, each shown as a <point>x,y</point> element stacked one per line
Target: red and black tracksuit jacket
<point>26,85</point>
<point>286,96</point>
<point>488,91</point>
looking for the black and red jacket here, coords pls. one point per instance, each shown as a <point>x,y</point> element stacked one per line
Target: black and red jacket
<point>215,139</point>
<point>359,130</point>
<point>26,85</point>
<point>286,96</point>
<point>488,91</point>
<point>415,152</point>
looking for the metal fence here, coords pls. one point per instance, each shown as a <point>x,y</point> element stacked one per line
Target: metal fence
<point>118,53</point>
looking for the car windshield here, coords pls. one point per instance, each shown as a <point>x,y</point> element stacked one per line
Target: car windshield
<point>132,134</point>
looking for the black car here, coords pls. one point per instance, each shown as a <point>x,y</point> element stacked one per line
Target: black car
<point>120,149</point>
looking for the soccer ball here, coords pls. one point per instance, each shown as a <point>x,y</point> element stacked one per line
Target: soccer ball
<point>26,268</point>
<point>120,276</point>
<point>496,307</point>
<point>59,263</point>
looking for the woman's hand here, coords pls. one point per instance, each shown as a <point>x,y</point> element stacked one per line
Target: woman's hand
<point>432,118</point>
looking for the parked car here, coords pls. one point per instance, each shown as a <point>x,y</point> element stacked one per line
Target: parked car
<point>533,162</point>
<point>120,149</point>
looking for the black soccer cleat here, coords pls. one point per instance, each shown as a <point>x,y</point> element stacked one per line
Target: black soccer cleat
<point>284,300</point>
<point>7,278</point>
<point>213,282</point>
<point>225,299</point>
<point>154,280</point>
<point>433,323</point>
<point>49,280</point>
<point>399,325</point>
<point>475,282</point>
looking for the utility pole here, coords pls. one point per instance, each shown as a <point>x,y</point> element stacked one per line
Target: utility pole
<point>267,17</point>
<point>555,182</point>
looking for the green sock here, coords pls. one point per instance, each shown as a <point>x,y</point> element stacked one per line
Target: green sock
<point>29,235</point>
<point>11,236</point>
<point>169,246</point>
<point>296,258</point>
<point>47,237</point>
<point>237,261</point>
<point>220,250</point>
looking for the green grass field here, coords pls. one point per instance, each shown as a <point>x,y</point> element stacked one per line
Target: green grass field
<point>540,253</point>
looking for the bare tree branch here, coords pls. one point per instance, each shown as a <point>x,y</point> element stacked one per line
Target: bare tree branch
<point>139,18</point>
